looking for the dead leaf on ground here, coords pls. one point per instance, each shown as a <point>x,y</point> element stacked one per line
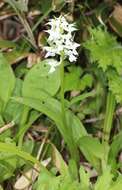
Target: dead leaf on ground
<point>115,19</point>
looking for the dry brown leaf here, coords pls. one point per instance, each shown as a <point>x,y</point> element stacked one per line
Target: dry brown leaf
<point>115,19</point>
<point>30,176</point>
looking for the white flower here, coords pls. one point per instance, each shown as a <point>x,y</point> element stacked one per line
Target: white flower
<point>61,39</point>
<point>53,64</point>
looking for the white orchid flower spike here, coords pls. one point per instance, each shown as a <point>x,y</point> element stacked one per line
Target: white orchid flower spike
<point>61,40</point>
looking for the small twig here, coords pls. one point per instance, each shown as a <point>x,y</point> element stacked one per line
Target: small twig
<point>7,126</point>
<point>94,119</point>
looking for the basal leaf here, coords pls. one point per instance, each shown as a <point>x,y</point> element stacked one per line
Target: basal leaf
<point>7,81</point>
<point>13,109</point>
<point>92,150</point>
<point>52,108</point>
<point>39,79</point>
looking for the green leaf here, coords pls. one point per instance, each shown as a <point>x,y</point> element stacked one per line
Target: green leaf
<point>15,55</point>
<point>7,44</point>
<point>49,182</point>
<point>84,179</point>
<point>73,80</point>
<point>117,185</point>
<point>50,107</point>
<point>104,181</point>
<point>7,81</point>
<point>9,148</point>
<point>1,121</point>
<point>92,144</point>
<point>8,163</point>
<point>92,150</point>
<point>81,97</point>
<point>39,79</point>
<point>115,147</point>
<point>104,49</point>
<point>13,109</point>
<point>115,85</point>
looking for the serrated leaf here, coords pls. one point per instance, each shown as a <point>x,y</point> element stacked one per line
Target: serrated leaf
<point>104,49</point>
<point>115,85</point>
<point>74,81</point>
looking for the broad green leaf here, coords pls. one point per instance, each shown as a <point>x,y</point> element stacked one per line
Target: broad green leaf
<point>13,109</point>
<point>74,123</point>
<point>104,181</point>
<point>7,81</point>
<point>52,108</point>
<point>93,145</point>
<point>39,79</point>
<point>73,80</point>
<point>92,150</point>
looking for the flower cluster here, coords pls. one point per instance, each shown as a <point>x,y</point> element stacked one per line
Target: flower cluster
<point>61,39</point>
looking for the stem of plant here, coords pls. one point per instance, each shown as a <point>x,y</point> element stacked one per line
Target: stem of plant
<point>22,122</point>
<point>108,125</point>
<point>67,133</point>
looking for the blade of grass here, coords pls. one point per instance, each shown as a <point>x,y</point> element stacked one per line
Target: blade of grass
<point>15,150</point>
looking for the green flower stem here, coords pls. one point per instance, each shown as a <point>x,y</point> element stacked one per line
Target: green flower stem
<point>62,88</point>
<point>108,116</point>
<point>107,126</point>
<point>66,131</point>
